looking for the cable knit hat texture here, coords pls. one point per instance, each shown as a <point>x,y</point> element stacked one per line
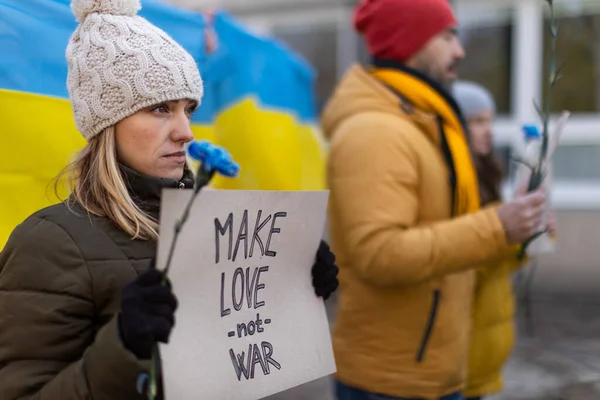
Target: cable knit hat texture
<point>119,63</point>
<point>398,29</point>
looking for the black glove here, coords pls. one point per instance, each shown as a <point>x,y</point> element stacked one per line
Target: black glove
<point>147,313</point>
<point>324,272</point>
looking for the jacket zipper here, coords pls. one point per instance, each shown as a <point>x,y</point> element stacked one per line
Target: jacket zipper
<point>430,323</point>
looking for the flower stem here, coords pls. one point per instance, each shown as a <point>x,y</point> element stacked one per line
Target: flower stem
<point>154,371</point>
<point>202,179</point>
<point>178,226</point>
<point>538,174</point>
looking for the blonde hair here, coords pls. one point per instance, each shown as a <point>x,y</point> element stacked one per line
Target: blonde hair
<point>96,184</point>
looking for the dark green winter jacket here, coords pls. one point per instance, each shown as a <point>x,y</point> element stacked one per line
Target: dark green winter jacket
<point>61,275</point>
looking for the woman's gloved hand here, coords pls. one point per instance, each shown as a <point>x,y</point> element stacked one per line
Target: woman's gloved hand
<point>324,272</point>
<point>147,313</point>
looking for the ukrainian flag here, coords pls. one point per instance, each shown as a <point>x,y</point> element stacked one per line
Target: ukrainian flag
<point>258,103</point>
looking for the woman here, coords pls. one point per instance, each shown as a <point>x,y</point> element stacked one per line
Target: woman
<point>493,333</point>
<point>80,309</point>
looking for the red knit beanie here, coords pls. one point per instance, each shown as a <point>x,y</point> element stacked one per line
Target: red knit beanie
<point>397,29</point>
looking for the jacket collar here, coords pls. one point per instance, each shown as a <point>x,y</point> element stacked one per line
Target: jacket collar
<point>146,191</point>
<point>435,86</point>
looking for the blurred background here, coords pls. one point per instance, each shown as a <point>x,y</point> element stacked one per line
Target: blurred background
<point>507,49</point>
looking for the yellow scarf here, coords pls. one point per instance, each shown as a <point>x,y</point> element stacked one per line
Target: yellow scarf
<point>424,97</point>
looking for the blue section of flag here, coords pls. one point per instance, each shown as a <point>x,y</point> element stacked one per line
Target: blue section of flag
<point>34,36</point>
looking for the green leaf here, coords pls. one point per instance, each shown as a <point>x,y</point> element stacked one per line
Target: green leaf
<point>558,74</point>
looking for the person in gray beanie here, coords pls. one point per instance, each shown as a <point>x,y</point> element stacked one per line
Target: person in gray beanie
<point>479,108</point>
<point>493,303</point>
<point>81,303</point>
<point>492,336</point>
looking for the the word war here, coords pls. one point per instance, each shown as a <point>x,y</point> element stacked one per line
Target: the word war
<point>244,364</point>
<point>241,290</point>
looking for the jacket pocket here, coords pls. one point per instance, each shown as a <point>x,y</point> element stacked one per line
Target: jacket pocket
<point>430,324</point>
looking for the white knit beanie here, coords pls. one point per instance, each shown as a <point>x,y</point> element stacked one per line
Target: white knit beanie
<point>119,63</point>
<point>473,98</point>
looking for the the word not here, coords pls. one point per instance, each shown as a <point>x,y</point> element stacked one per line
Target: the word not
<point>244,364</point>
<point>242,286</point>
<point>252,327</point>
<point>242,237</point>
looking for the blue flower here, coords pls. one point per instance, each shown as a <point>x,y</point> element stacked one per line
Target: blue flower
<point>213,158</point>
<point>531,132</point>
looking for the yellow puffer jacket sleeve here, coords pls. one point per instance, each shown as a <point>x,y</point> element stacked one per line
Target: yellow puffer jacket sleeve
<point>374,177</point>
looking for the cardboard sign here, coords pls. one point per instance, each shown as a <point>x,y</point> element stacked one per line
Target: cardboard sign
<point>248,324</point>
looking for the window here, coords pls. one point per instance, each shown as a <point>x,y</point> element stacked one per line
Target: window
<point>486,34</point>
<point>318,45</point>
<point>576,163</point>
<point>578,52</point>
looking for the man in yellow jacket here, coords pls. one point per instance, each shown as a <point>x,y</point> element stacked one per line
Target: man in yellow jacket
<point>406,221</point>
